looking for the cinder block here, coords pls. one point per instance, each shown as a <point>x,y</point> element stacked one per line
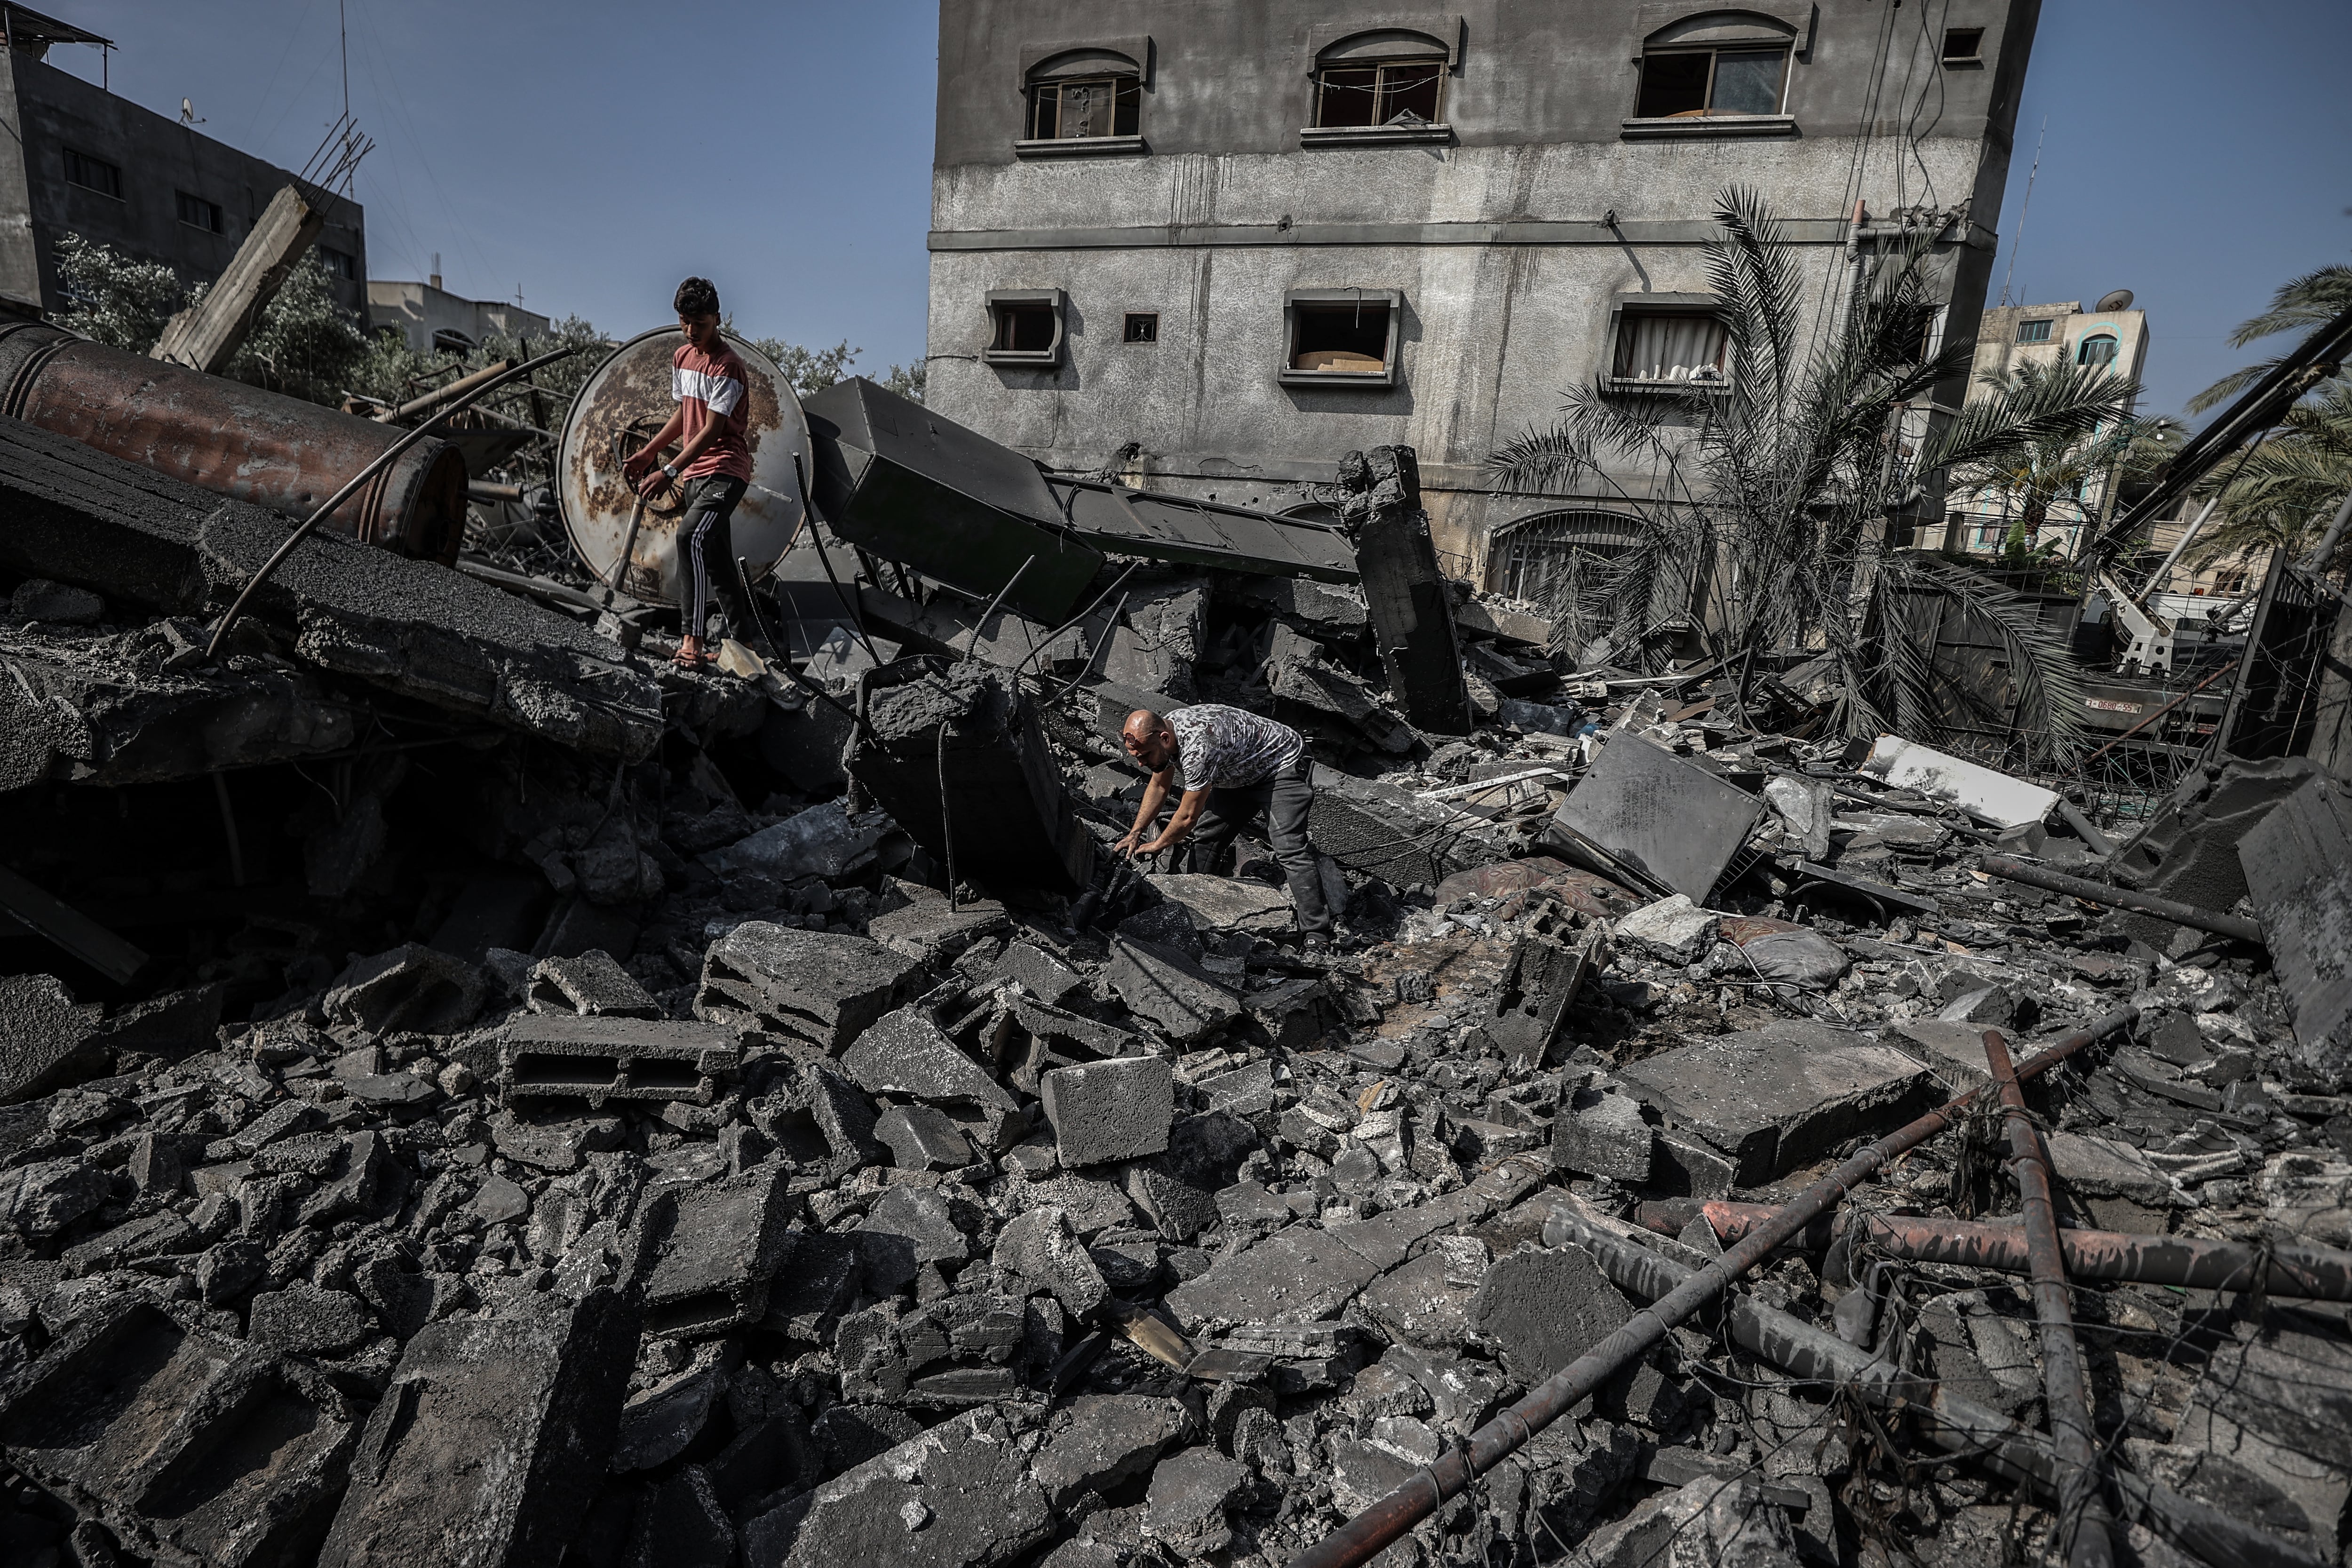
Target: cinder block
<point>1117,1109</point>
<point>598,1058</point>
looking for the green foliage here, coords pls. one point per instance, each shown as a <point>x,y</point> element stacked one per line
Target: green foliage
<point>305,344</point>
<point>111,299</point>
<point>2041,463</point>
<point>2286,490</point>
<point>811,371</point>
<point>2300,304</point>
<point>1771,496</point>
<point>908,381</point>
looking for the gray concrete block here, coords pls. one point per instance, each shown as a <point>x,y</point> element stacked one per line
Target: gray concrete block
<point>1780,1096</point>
<point>608,1057</point>
<point>46,1038</point>
<point>1038,1247</point>
<point>1217,904</point>
<point>1299,1275</point>
<point>921,1138</point>
<point>906,1054</point>
<point>1602,1133</point>
<point>1168,990</point>
<point>192,1448</point>
<point>1117,1109</point>
<point>1185,1506</point>
<point>490,1440</point>
<point>1108,1438</point>
<point>1540,1307</point>
<point>725,1242</point>
<point>1675,930</point>
<point>303,1320</point>
<point>961,1495</point>
<point>909,1225</point>
<point>931,932</point>
<point>822,988</point>
<point>594,984</point>
<point>1427,1301</point>
<point>1042,974</point>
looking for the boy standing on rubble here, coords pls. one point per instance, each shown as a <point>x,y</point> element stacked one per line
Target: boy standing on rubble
<point>1231,765</point>
<point>709,386</point>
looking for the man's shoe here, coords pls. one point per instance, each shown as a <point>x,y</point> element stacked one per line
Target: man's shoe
<point>1315,944</point>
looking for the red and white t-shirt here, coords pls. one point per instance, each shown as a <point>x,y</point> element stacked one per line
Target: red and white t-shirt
<point>713,386</point>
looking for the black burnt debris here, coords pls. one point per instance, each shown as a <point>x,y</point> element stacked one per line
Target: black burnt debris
<point>473,1093</point>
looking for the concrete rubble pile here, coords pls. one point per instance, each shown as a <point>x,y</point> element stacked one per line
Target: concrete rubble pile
<point>618,1139</point>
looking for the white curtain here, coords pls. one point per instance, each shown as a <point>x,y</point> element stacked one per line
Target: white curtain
<point>1672,348</point>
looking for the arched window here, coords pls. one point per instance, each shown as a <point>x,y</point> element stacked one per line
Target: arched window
<point>1558,558</point>
<point>1393,78</point>
<point>2097,349</point>
<point>1085,95</point>
<point>1715,63</point>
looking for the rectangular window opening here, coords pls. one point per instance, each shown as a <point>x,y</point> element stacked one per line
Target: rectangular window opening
<point>1964,45</point>
<point>1023,326</point>
<point>198,213</point>
<point>93,174</point>
<point>1345,338</point>
<point>1142,327</point>
<point>1679,83</point>
<point>2034,331</point>
<point>1090,108</point>
<point>1393,92</point>
<point>339,263</point>
<point>1671,348</point>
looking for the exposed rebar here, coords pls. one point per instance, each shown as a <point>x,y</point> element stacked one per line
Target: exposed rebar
<point>2182,914</point>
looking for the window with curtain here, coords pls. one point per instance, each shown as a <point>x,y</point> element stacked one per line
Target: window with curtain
<point>2099,350</point>
<point>1690,347</point>
<point>1086,107</point>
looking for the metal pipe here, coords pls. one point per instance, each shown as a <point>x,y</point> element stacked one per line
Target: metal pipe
<point>980,625</point>
<point>2188,915</point>
<point>486,490</point>
<point>2325,550</point>
<point>2082,1519</point>
<point>233,439</point>
<point>2309,1273</point>
<point>444,394</point>
<point>2085,828</point>
<point>1371,1531</point>
<point>307,525</point>
<point>1957,1425</point>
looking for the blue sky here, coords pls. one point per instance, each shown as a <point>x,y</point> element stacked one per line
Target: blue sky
<point>592,153</point>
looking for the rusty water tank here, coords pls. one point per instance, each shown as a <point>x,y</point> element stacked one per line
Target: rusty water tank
<point>237,440</point>
<point>622,405</point>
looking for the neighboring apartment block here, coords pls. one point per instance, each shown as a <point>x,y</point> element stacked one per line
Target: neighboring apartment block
<point>1211,246</point>
<point>1981,517</point>
<point>76,159</point>
<point>433,320</point>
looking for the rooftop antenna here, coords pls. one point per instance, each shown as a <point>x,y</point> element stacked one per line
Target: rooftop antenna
<point>2023,207</point>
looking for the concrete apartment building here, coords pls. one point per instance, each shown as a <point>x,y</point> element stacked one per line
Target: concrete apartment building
<point>76,158</point>
<point>2061,333</point>
<point>431,318</point>
<point>1213,246</point>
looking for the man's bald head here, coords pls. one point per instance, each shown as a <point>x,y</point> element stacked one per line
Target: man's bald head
<point>1148,739</point>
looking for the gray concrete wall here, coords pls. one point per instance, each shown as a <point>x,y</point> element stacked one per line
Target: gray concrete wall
<point>1494,236</point>
<point>419,310</point>
<point>158,157</point>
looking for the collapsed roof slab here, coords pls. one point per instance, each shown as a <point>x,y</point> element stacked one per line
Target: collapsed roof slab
<point>75,514</point>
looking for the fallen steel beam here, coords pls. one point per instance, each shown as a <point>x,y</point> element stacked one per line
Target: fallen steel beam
<point>1371,1532</point>
<point>2189,915</point>
<point>1959,1426</point>
<point>2310,1273</point>
<point>47,915</point>
<point>2082,1521</point>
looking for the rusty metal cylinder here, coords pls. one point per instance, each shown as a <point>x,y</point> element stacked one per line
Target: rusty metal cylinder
<point>236,440</point>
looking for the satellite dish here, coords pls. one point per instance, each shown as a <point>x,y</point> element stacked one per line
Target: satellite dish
<point>2119,300</point>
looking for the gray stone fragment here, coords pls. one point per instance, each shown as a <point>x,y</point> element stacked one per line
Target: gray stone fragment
<point>725,1242</point>
<point>134,1241</point>
<point>657,1425</point>
<point>491,1439</point>
<point>1601,1133</point>
<point>822,988</point>
<point>1296,1275</point>
<point>1675,930</point>
<point>1165,988</point>
<point>910,1226</point>
<point>412,987</point>
<point>594,984</point>
<point>1039,1248</point>
<point>1427,1301</point>
<point>1117,1109</point>
<point>906,1053</point>
<point>46,1038</point>
<point>1226,903</point>
<point>303,1320</point>
<point>1108,1439</point>
<point>921,1138</point>
<point>1178,1188</point>
<point>1044,976</point>
<point>1185,1509</point>
<point>972,1488</point>
<point>1540,1307</point>
<point>43,1198</point>
<point>930,932</point>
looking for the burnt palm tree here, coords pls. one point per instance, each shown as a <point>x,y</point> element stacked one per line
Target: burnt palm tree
<point>1772,490</point>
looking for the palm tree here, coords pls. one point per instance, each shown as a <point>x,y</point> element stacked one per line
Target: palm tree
<point>2283,492</point>
<point>2300,304</point>
<point>1773,492</point>
<point>2041,472</point>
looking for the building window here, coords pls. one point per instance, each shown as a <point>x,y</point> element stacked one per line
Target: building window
<point>1141,328</point>
<point>1964,45</point>
<point>339,263</point>
<point>2034,331</point>
<point>198,213</point>
<point>1676,348</point>
<point>1678,83</point>
<point>93,174</point>
<point>1025,327</point>
<point>1392,92</point>
<point>1086,110</point>
<point>2096,350</point>
<point>1341,337</point>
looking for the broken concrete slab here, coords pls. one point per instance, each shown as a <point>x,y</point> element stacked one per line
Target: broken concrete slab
<point>1599,1132</point>
<point>1427,1301</point>
<point>934,931</point>
<point>827,840</point>
<point>1675,930</point>
<point>724,1242</point>
<point>1038,1247</point>
<point>911,1505</point>
<point>1644,808</point>
<point>592,984</point>
<point>1040,973</point>
<point>410,987</point>
<point>1227,903</point>
<point>603,1057</point>
<point>822,988</point>
<point>1167,989</point>
<point>490,1439</point>
<point>921,1138</point>
<point>1379,830</point>
<point>1299,1274</point>
<point>1983,793</point>
<point>46,1037</point>
<point>1185,1508</point>
<point>1116,1109</point>
<point>2298,866</point>
<point>1776,1098</point>
<point>1539,1308</point>
<point>1412,612</point>
<point>1108,1438</point>
<point>907,1226</point>
<point>192,1448</point>
<point>907,1053</point>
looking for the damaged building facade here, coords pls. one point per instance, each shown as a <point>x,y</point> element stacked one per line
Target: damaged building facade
<point>1211,247</point>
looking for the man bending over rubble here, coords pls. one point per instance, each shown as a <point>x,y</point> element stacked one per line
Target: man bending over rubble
<point>1230,766</point>
<point>708,384</point>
